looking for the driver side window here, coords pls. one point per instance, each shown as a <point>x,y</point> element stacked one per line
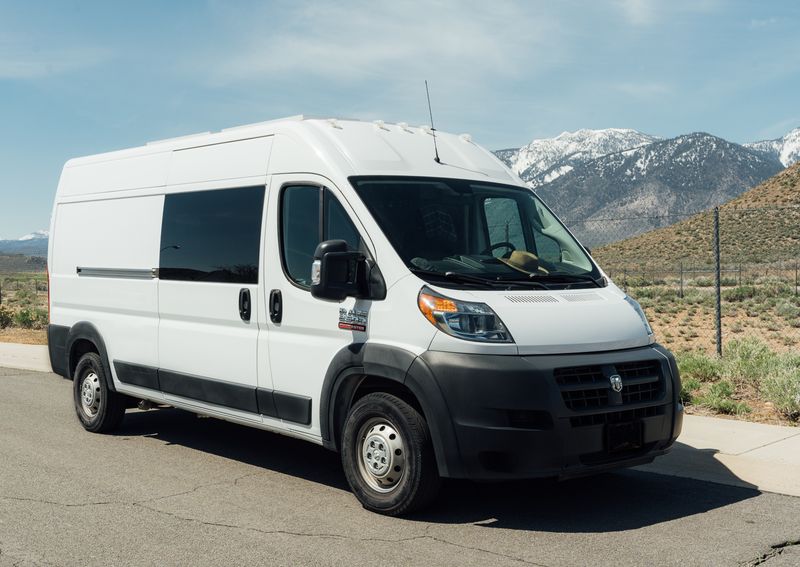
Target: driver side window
<point>504,224</point>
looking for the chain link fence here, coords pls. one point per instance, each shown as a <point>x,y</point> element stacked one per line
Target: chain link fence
<point>707,279</point>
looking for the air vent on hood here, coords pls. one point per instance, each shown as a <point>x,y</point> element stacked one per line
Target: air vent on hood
<point>532,299</point>
<point>581,297</point>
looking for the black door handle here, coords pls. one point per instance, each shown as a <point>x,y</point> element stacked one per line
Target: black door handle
<point>244,304</point>
<point>275,306</point>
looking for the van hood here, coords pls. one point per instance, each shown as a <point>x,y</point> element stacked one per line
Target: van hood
<point>564,321</point>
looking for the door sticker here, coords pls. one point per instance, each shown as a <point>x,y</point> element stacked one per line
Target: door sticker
<point>352,319</point>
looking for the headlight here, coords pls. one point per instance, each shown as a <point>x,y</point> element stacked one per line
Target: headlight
<point>462,319</point>
<point>640,312</point>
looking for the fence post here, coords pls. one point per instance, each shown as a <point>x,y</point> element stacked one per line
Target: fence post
<point>718,282</point>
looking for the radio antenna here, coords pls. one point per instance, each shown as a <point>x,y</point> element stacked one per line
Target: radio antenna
<point>433,128</point>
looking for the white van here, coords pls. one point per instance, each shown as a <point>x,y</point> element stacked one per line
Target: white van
<point>334,281</point>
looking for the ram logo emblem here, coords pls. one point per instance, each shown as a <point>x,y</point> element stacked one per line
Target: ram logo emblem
<point>616,382</point>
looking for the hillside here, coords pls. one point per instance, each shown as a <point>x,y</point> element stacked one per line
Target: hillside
<point>761,225</point>
<point>15,263</point>
<point>649,186</point>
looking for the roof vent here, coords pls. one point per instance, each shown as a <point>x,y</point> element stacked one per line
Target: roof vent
<point>466,138</point>
<point>334,123</point>
<point>404,127</point>
<point>381,125</point>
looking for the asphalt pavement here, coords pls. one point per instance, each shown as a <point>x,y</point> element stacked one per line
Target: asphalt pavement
<point>171,488</point>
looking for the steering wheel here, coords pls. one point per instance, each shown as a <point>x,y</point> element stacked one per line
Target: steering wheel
<point>497,245</point>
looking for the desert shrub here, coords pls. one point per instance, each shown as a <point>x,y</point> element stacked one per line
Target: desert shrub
<point>719,398</point>
<point>699,366</point>
<point>748,360</point>
<point>702,282</point>
<point>688,388</point>
<point>782,388</point>
<point>787,310</point>
<point>739,293</point>
<point>6,317</point>
<point>29,318</point>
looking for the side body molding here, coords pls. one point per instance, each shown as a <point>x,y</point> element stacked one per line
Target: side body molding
<point>354,363</point>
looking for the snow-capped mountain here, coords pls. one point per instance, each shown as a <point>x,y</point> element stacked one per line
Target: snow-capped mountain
<point>785,149</point>
<point>654,185</point>
<point>33,244</point>
<point>36,235</point>
<point>543,160</point>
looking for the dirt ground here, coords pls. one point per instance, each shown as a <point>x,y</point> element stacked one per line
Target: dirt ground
<point>23,336</point>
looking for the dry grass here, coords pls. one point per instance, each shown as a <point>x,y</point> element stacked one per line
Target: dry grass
<point>23,336</point>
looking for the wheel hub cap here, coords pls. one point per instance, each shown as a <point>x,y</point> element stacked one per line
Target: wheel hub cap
<point>382,452</point>
<point>90,394</point>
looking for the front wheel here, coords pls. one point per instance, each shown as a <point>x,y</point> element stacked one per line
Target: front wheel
<point>388,456</point>
<point>99,409</point>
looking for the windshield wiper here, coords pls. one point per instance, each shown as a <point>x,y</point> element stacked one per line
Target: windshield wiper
<point>566,278</point>
<point>454,277</point>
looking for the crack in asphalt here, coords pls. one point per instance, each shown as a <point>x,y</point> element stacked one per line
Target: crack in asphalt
<point>323,535</point>
<point>233,482</point>
<point>146,504</point>
<point>774,551</point>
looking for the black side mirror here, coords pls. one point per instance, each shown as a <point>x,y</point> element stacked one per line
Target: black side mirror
<point>337,272</point>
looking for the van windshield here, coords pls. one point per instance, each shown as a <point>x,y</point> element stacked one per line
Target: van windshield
<point>475,232</point>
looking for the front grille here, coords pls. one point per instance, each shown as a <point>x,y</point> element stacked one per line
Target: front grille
<point>586,399</point>
<point>589,387</point>
<point>616,416</point>
<point>580,375</point>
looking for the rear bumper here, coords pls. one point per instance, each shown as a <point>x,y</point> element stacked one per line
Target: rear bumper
<point>509,417</point>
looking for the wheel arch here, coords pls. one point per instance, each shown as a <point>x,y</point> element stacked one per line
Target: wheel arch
<point>366,367</point>
<point>84,337</point>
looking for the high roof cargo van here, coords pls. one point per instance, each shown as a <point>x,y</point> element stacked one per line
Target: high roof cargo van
<point>334,280</point>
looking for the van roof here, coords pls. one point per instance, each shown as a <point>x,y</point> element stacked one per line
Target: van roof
<point>354,147</point>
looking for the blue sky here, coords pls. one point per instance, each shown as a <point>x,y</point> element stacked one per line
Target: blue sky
<point>78,78</point>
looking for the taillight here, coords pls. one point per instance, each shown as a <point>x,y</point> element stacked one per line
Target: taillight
<point>47,273</point>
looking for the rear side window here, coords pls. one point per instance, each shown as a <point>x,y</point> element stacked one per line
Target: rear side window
<point>212,236</point>
<point>309,215</point>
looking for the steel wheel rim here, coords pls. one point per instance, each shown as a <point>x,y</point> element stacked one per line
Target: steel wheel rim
<point>381,455</point>
<point>90,394</point>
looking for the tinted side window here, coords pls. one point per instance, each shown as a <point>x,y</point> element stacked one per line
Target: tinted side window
<point>337,225</point>
<point>212,236</point>
<point>303,228</point>
<point>300,230</point>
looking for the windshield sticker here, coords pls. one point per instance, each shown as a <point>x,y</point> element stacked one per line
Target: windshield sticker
<point>352,319</point>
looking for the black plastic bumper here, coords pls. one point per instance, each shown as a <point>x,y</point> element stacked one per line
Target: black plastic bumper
<point>507,417</point>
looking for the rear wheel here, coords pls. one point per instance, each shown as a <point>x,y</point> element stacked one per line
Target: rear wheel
<point>387,455</point>
<point>99,409</point>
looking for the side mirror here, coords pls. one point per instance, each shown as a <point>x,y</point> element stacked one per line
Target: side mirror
<point>337,272</point>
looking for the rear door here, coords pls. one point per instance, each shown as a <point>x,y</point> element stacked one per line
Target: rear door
<point>304,332</point>
<point>208,295</point>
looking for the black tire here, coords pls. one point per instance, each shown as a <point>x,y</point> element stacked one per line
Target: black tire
<point>418,482</point>
<point>106,409</point>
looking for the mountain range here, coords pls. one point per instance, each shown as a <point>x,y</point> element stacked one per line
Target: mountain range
<point>33,244</point>
<point>616,183</point>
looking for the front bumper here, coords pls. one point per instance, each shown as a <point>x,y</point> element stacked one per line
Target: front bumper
<point>509,417</point>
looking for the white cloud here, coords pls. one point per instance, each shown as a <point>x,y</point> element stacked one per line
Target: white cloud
<point>650,12</point>
<point>763,23</point>
<point>391,41</point>
<point>26,59</point>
